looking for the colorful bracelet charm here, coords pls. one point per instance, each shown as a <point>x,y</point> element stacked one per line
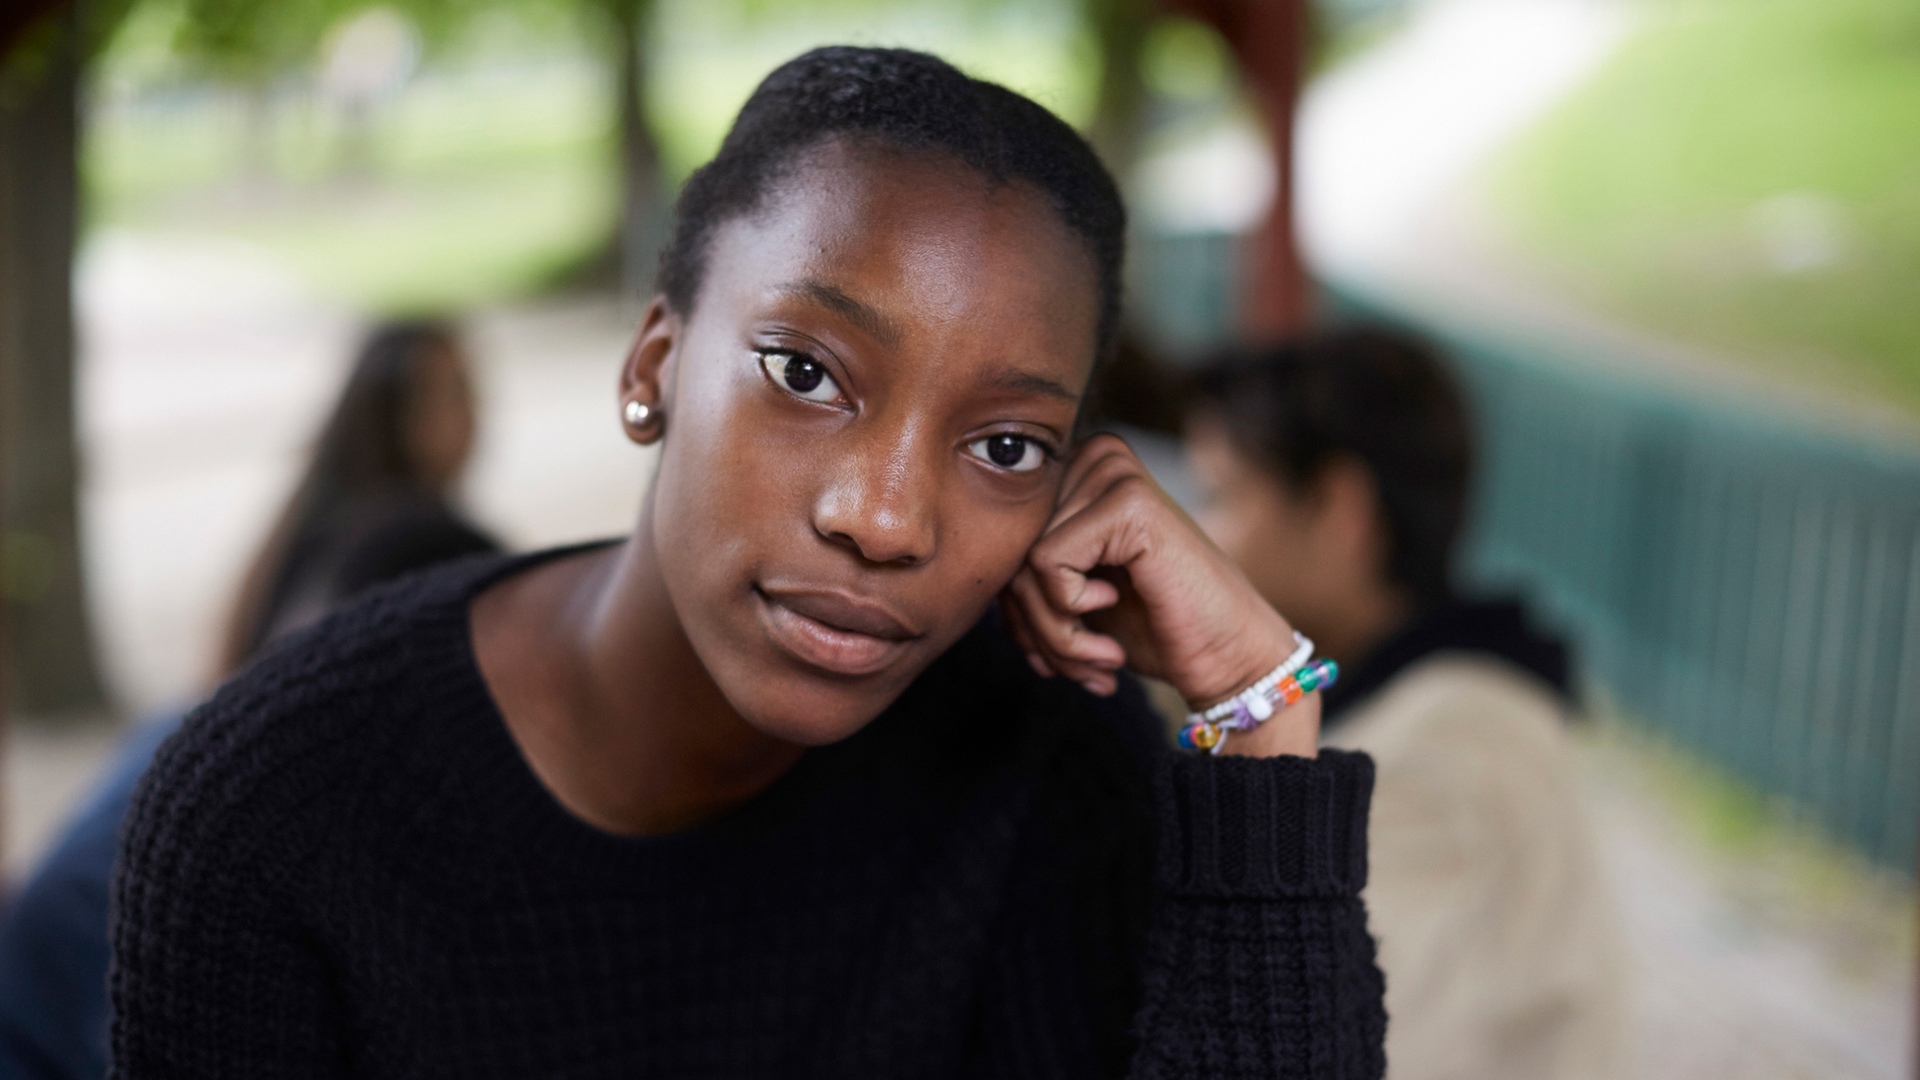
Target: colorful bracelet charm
<point>1202,733</point>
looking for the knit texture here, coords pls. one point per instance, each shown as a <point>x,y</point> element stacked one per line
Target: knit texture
<point>342,866</point>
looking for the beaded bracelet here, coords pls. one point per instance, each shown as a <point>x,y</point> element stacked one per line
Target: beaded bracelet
<point>1253,700</point>
<point>1203,733</point>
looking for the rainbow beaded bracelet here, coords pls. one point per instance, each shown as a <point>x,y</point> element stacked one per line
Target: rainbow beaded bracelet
<point>1203,733</point>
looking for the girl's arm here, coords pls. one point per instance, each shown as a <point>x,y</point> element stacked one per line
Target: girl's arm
<point>1245,959</point>
<point>1257,961</point>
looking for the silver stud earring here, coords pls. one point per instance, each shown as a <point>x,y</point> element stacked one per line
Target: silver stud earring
<point>638,413</point>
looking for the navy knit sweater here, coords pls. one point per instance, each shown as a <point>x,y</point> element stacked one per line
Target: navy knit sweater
<point>342,866</point>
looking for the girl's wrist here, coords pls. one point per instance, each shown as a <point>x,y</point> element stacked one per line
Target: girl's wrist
<point>1276,712</point>
<point>1255,654</point>
<point>1294,731</point>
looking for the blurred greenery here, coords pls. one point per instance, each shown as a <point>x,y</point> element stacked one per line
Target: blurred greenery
<point>710,56</point>
<point>1186,59</point>
<point>493,170</point>
<point>1743,174</point>
<point>476,191</point>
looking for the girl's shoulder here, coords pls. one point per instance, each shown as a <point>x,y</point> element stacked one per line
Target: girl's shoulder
<point>319,715</point>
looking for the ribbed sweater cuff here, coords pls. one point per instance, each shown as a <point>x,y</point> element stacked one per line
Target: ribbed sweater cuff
<point>1256,828</point>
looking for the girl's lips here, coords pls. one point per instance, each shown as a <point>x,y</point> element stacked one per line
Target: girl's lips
<point>795,622</point>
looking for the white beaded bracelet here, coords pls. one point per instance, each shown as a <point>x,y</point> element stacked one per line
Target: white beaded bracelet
<point>1253,701</point>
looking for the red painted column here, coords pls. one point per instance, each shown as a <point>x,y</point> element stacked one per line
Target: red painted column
<point>1269,39</point>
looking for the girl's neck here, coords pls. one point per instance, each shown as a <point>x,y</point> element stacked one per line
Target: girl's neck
<point>608,700</point>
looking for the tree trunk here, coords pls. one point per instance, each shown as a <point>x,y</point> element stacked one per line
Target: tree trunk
<point>50,644</point>
<point>643,211</point>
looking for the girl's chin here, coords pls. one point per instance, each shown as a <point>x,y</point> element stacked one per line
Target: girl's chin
<point>807,711</point>
<point>811,728</point>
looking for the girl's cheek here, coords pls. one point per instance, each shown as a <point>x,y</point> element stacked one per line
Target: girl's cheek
<point>1004,541</point>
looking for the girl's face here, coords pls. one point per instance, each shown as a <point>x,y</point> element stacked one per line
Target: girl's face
<point>868,414</point>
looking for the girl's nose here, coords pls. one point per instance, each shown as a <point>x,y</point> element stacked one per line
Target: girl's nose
<point>880,499</point>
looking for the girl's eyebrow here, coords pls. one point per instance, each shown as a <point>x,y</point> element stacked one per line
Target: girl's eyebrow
<point>1026,382</point>
<point>863,316</point>
<point>886,332</point>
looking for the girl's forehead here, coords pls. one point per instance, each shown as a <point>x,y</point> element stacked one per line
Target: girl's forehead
<point>923,239</point>
<point>843,197</point>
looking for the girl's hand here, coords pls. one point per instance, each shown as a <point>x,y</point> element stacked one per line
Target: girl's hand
<point>1123,577</point>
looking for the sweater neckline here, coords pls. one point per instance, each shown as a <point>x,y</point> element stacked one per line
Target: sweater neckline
<point>505,780</point>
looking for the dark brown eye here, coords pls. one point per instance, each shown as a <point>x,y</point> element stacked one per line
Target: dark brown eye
<point>803,375</point>
<point>800,375</point>
<point>1014,453</point>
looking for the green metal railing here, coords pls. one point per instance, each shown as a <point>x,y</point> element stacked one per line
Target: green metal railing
<point>1748,586</point>
<point>1742,581</point>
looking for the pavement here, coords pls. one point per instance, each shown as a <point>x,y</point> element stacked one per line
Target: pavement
<point>1771,959</point>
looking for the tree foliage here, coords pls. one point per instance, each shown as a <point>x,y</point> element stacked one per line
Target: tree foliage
<point>251,41</point>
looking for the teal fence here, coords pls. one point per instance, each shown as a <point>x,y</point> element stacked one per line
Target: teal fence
<point>1741,581</point>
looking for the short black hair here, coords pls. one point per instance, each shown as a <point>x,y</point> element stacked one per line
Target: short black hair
<point>911,101</point>
<point>1381,396</point>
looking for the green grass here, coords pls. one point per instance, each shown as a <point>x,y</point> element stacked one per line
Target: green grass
<point>1656,187</point>
<point>466,191</point>
<point>444,246</point>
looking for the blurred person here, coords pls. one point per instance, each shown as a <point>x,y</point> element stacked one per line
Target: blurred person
<point>372,505</point>
<point>374,502</point>
<point>770,787</point>
<point>1335,472</point>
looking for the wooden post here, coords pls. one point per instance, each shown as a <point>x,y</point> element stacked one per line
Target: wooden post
<point>1269,39</point>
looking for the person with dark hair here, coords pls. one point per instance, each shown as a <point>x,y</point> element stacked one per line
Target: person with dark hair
<point>1336,474</point>
<point>771,787</point>
<point>372,506</point>
<point>373,503</point>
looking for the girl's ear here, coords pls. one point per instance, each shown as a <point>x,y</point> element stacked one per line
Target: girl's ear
<point>643,377</point>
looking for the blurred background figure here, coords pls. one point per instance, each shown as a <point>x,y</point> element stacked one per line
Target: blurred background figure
<point>373,504</point>
<point>1336,472</point>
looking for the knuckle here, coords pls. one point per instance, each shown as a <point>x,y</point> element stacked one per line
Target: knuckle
<point>1134,491</point>
<point>1050,559</point>
<point>1118,464</point>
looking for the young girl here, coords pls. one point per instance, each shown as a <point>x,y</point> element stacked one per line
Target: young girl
<point>768,788</point>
